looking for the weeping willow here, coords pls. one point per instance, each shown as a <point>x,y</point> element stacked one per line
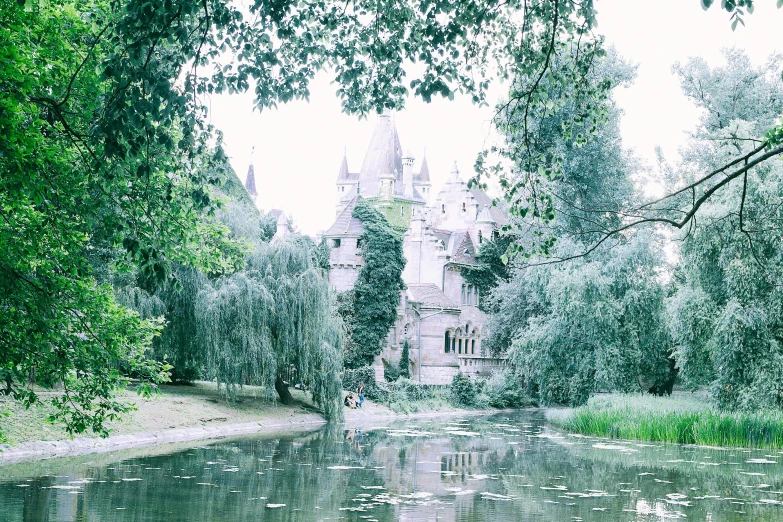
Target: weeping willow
<point>276,316</point>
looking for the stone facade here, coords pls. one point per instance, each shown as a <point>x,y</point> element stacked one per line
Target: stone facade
<point>438,315</point>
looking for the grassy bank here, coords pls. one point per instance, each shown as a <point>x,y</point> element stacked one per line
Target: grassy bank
<point>199,404</point>
<point>682,418</point>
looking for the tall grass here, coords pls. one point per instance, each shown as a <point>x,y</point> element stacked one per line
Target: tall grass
<point>676,420</point>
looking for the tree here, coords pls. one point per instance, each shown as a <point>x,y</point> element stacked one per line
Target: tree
<point>538,92</point>
<point>405,362</point>
<point>371,308</point>
<point>571,329</point>
<point>275,317</point>
<point>492,268</point>
<point>724,316</point>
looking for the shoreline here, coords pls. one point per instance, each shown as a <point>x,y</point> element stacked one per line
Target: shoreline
<point>302,422</point>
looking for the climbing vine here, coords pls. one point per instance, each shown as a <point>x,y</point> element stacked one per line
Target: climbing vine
<point>371,309</point>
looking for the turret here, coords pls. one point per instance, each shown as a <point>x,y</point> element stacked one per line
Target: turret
<point>421,181</point>
<point>485,225</point>
<point>250,180</point>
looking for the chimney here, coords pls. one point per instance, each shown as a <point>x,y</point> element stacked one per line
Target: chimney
<point>407,174</point>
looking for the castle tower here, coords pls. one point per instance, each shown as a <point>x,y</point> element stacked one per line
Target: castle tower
<point>347,183</point>
<point>421,180</point>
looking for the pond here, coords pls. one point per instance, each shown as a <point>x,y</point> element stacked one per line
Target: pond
<point>499,467</point>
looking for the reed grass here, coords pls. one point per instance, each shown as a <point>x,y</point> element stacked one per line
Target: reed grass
<point>684,420</point>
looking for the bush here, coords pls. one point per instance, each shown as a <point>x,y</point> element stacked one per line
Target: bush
<point>462,391</point>
<point>391,372</point>
<point>366,375</point>
<point>411,390</point>
<point>504,390</point>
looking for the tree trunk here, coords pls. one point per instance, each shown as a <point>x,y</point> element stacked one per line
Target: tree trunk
<point>282,390</point>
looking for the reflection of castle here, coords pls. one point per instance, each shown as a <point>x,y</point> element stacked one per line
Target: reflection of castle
<point>438,314</point>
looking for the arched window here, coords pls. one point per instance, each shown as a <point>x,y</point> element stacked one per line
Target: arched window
<point>459,346</point>
<point>481,238</point>
<point>473,347</point>
<point>447,344</point>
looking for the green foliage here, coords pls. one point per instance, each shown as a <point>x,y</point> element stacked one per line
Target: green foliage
<point>674,421</point>
<point>391,372</point>
<point>724,316</point>
<point>352,378</point>
<point>462,391</point>
<point>405,362</point>
<point>371,308</point>
<point>275,316</point>
<point>505,390</point>
<point>491,269</point>
<point>409,390</point>
<point>321,255</point>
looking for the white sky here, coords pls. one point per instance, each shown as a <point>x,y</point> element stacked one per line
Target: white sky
<point>299,146</point>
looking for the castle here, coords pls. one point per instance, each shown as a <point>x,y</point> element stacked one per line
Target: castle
<point>438,315</point>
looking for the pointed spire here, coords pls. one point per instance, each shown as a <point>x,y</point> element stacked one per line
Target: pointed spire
<point>250,180</point>
<point>424,172</point>
<point>343,175</point>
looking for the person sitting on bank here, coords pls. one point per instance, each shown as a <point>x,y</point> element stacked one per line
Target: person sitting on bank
<point>350,401</point>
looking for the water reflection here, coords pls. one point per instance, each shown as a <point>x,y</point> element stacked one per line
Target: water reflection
<point>483,468</point>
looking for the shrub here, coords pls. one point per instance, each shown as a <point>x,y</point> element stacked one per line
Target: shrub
<point>405,362</point>
<point>391,372</point>
<point>366,375</point>
<point>504,390</point>
<point>411,390</point>
<point>462,391</point>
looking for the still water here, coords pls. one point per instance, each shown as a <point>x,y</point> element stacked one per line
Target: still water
<point>501,467</point>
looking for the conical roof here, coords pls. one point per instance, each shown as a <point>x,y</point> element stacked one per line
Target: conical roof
<point>250,181</point>
<point>344,175</point>
<point>384,156</point>
<point>424,173</point>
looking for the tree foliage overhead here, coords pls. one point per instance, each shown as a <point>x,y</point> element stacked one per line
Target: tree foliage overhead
<point>370,309</point>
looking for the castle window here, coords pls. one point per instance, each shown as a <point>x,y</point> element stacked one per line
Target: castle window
<point>335,243</point>
<point>443,209</point>
<point>342,189</point>
<point>463,207</point>
<point>473,347</point>
<point>480,237</point>
<point>448,343</point>
<point>460,346</point>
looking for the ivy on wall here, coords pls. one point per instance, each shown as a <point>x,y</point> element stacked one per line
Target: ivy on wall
<point>371,308</point>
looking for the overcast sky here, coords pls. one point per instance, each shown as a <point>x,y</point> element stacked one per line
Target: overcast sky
<point>299,147</point>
